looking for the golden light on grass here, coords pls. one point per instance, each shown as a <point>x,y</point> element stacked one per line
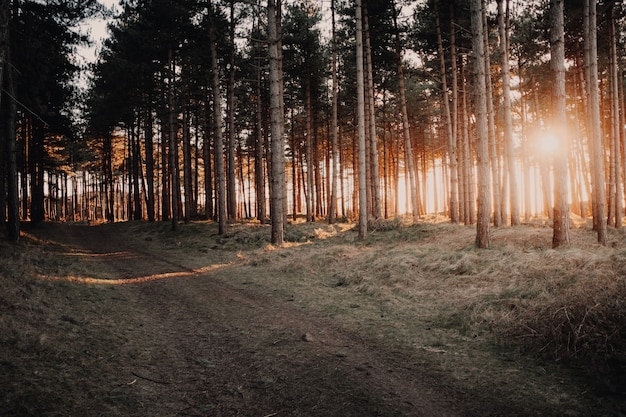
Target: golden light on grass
<point>134,280</point>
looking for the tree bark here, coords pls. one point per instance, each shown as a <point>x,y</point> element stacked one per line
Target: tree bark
<point>560,236</point>
<point>148,137</point>
<point>231,161</point>
<point>453,198</point>
<point>360,84</point>
<point>13,203</point>
<point>220,183</point>
<point>616,167</point>
<point>334,172</point>
<point>595,133</point>
<point>503,25</point>
<point>482,135</point>
<point>173,145</point>
<point>373,142</point>
<point>278,191</point>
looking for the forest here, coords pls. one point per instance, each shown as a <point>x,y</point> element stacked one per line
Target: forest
<point>486,113</point>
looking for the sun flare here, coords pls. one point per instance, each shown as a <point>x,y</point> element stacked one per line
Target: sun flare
<point>547,144</point>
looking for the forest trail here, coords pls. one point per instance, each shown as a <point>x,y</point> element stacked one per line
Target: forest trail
<point>194,345</point>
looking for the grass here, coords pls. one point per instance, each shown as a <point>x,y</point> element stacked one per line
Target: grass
<point>519,315</point>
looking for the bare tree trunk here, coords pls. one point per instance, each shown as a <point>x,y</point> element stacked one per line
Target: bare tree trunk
<point>149,144</point>
<point>362,171</point>
<point>12,199</point>
<point>406,128</point>
<point>496,189</point>
<point>278,196</point>
<point>595,133</point>
<point>454,113</point>
<point>259,150</point>
<point>373,142</point>
<point>453,198</point>
<point>482,135</point>
<point>334,172</point>
<point>220,183</point>
<point>187,172</point>
<point>616,167</point>
<point>231,189</point>
<point>560,236</point>
<point>503,24</point>
<point>310,162</point>
<point>173,148</point>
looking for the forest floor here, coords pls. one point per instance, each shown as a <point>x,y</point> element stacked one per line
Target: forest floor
<point>133,319</point>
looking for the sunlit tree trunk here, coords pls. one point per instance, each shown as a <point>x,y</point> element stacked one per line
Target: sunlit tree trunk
<point>334,172</point>
<point>560,236</point>
<point>482,135</point>
<point>616,168</point>
<point>595,132</point>
<point>454,113</point>
<point>259,169</point>
<point>503,24</point>
<point>231,188</point>
<point>278,192</point>
<point>406,127</point>
<point>362,172</point>
<point>468,168</point>
<point>494,155</point>
<point>525,146</point>
<point>373,142</point>
<point>453,198</point>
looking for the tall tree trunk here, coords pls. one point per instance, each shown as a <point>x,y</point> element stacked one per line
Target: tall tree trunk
<point>13,204</point>
<point>454,113</point>
<point>165,177</point>
<point>498,211</point>
<point>278,192</point>
<point>148,137</point>
<point>173,145</point>
<point>259,150</point>
<point>360,85</point>
<point>208,167</point>
<point>525,145</point>
<point>374,166</point>
<point>310,162</point>
<point>560,236</point>
<point>595,133</point>
<point>468,168</point>
<point>616,167</point>
<point>482,135</point>
<point>136,166</point>
<point>503,25</point>
<point>453,198</point>
<point>334,172</point>
<point>190,211</point>
<point>36,162</point>
<point>220,183</point>
<point>406,127</point>
<point>230,166</point>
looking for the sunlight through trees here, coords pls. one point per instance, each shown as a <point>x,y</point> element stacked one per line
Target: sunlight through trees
<point>198,110</point>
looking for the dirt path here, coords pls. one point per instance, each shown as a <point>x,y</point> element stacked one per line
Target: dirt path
<point>197,346</point>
